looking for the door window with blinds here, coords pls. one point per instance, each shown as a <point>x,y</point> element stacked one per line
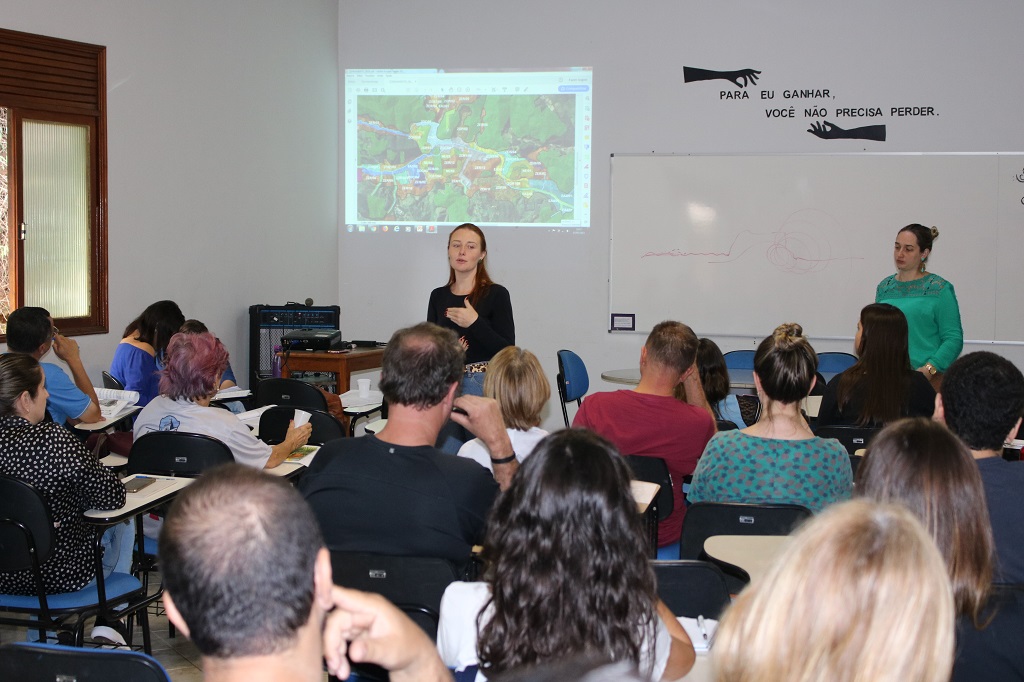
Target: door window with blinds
<point>53,180</point>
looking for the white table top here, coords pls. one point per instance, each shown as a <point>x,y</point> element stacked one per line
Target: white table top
<point>753,553</point>
<point>106,423</point>
<point>738,378</point>
<point>644,493</point>
<point>811,405</point>
<point>164,489</point>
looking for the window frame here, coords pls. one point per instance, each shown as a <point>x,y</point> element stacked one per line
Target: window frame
<point>62,81</point>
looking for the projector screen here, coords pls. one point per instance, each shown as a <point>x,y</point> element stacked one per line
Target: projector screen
<point>427,149</point>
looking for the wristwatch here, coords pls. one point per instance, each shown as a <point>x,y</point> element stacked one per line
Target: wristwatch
<point>931,368</point>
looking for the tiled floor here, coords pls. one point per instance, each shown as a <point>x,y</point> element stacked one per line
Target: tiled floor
<point>177,655</point>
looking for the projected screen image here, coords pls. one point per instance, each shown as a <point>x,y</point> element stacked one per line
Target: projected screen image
<point>427,149</point>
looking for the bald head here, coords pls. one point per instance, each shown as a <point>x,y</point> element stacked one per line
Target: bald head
<point>237,555</point>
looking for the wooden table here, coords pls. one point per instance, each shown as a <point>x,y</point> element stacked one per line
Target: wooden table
<point>342,363</point>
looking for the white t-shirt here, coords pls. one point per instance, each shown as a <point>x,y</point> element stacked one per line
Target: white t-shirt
<point>523,443</point>
<point>457,633</point>
<point>166,414</point>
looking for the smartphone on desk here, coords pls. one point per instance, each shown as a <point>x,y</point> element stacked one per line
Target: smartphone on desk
<point>137,484</point>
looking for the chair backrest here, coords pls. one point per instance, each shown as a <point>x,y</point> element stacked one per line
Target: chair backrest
<point>831,362</point>
<point>26,526</point>
<point>110,381</point>
<point>414,584</point>
<point>750,408</point>
<point>853,438</point>
<point>739,359</point>
<point>32,662</point>
<point>572,382</point>
<point>274,425</point>
<point>692,588</point>
<point>173,453</point>
<point>705,519</point>
<point>654,470</point>
<point>726,425</point>
<point>289,392</point>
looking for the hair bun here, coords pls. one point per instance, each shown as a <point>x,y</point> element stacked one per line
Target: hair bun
<point>788,333</point>
<point>935,232</point>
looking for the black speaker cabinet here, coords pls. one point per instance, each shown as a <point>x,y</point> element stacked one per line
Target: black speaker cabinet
<point>268,323</point>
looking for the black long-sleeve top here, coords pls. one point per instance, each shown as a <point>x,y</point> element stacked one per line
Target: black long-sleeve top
<point>493,330</point>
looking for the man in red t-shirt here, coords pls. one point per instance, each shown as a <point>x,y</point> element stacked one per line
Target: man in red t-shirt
<point>649,421</point>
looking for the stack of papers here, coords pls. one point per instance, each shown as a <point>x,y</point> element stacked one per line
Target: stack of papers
<point>252,417</point>
<point>233,393</point>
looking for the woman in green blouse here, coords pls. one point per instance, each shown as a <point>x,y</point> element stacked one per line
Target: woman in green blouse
<point>927,300</point>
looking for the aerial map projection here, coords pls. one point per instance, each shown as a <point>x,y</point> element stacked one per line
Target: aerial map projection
<point>452,158</point>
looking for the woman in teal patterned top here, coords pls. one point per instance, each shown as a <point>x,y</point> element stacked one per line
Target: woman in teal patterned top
<point>927,300</point>
<point>778,459</point>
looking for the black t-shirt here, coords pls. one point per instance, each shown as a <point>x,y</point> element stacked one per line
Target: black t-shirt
<point>995,651</point>
<point>494,329</point>
<point>920,401</point>
<point>371,496</point>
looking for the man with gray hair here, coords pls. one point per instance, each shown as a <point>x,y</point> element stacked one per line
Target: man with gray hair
<point>394,493</point>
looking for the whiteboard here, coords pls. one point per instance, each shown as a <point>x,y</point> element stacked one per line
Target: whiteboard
<point>735,245</point>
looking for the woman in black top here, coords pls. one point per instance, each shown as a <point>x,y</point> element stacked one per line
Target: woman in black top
<point>881,387</point>
<point>477,309</point>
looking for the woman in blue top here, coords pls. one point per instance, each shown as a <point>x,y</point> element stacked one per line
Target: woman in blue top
<point>778,459</point>
<point>136,359</point>
<point>714,376</point>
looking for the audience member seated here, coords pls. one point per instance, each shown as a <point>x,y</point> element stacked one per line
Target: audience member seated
<point>67,476</point>
<point>140,355</point>
<point>778,459</point>
<point>860,594</point>
<point>516,380</point>
<point>920,464</point>
<point>30,330</point>
<point>882,386</point>
<point>567,573</point>
<point>248,580</point>
<point>195,364</point>
<point>227,380</point>
<point>650,422</point>
<point>714,377</point>
<point>394,493</point>
<point>981,400</point>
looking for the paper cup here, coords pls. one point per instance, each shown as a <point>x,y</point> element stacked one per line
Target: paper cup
<point>301,417</point>
<point>364,387</point>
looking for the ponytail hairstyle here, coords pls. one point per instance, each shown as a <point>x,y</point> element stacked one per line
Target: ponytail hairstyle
<point>925,236</point>
<point>483,280</point>
<point>786,364</point>
<point>19,372</point>
<point>882,366</point>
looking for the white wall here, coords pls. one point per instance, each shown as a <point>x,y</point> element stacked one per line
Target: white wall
<point>223,144</point>
<point>961,59</point>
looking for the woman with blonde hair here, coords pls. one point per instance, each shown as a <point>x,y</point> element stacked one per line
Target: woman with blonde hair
<point>516,381</point>
<point>778,459</point>
<point>860,595</point>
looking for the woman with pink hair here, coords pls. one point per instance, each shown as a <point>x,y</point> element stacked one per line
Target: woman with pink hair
<point>189,380</point>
